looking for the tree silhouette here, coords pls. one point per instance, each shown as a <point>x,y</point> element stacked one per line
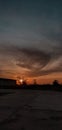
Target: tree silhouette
<point>24,82</point>
<point>35,82</point>
<point>55,83</point>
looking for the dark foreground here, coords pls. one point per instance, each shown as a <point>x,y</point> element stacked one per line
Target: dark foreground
<point>30,110</point>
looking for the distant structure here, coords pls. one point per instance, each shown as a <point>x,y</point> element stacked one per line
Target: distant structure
<point>35,82</point>
<point>7,83</point>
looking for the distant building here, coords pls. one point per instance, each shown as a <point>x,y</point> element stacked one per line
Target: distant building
<point>7,83</point>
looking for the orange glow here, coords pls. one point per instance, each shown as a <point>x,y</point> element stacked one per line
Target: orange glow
<point>21,81</point>
<point>46,79</point>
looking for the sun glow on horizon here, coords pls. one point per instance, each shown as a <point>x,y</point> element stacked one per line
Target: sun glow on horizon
<point>21,81</point>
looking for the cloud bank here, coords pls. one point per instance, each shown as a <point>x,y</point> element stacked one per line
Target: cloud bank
<point>33,62</point>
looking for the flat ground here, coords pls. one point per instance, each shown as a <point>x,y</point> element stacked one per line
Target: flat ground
<point>30,110</point>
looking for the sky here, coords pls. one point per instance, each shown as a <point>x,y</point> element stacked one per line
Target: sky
<point>31,40</point>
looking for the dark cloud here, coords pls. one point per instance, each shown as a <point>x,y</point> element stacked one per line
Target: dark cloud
<point>34,61</point>
<point>32,58</point>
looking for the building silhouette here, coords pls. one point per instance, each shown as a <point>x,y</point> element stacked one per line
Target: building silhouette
<point>7,83</point>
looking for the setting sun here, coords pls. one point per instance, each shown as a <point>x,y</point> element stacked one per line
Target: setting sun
<point>21,81</point>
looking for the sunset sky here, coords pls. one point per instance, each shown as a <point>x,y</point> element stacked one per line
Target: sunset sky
<point>31,39</point>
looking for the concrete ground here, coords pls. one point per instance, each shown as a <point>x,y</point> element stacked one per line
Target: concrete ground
<point>30,110</point>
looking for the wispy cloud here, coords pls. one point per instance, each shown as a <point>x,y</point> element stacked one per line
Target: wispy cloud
<point>33,62</point>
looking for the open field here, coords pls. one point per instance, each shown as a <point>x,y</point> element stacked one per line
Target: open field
<point>30,110</point>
